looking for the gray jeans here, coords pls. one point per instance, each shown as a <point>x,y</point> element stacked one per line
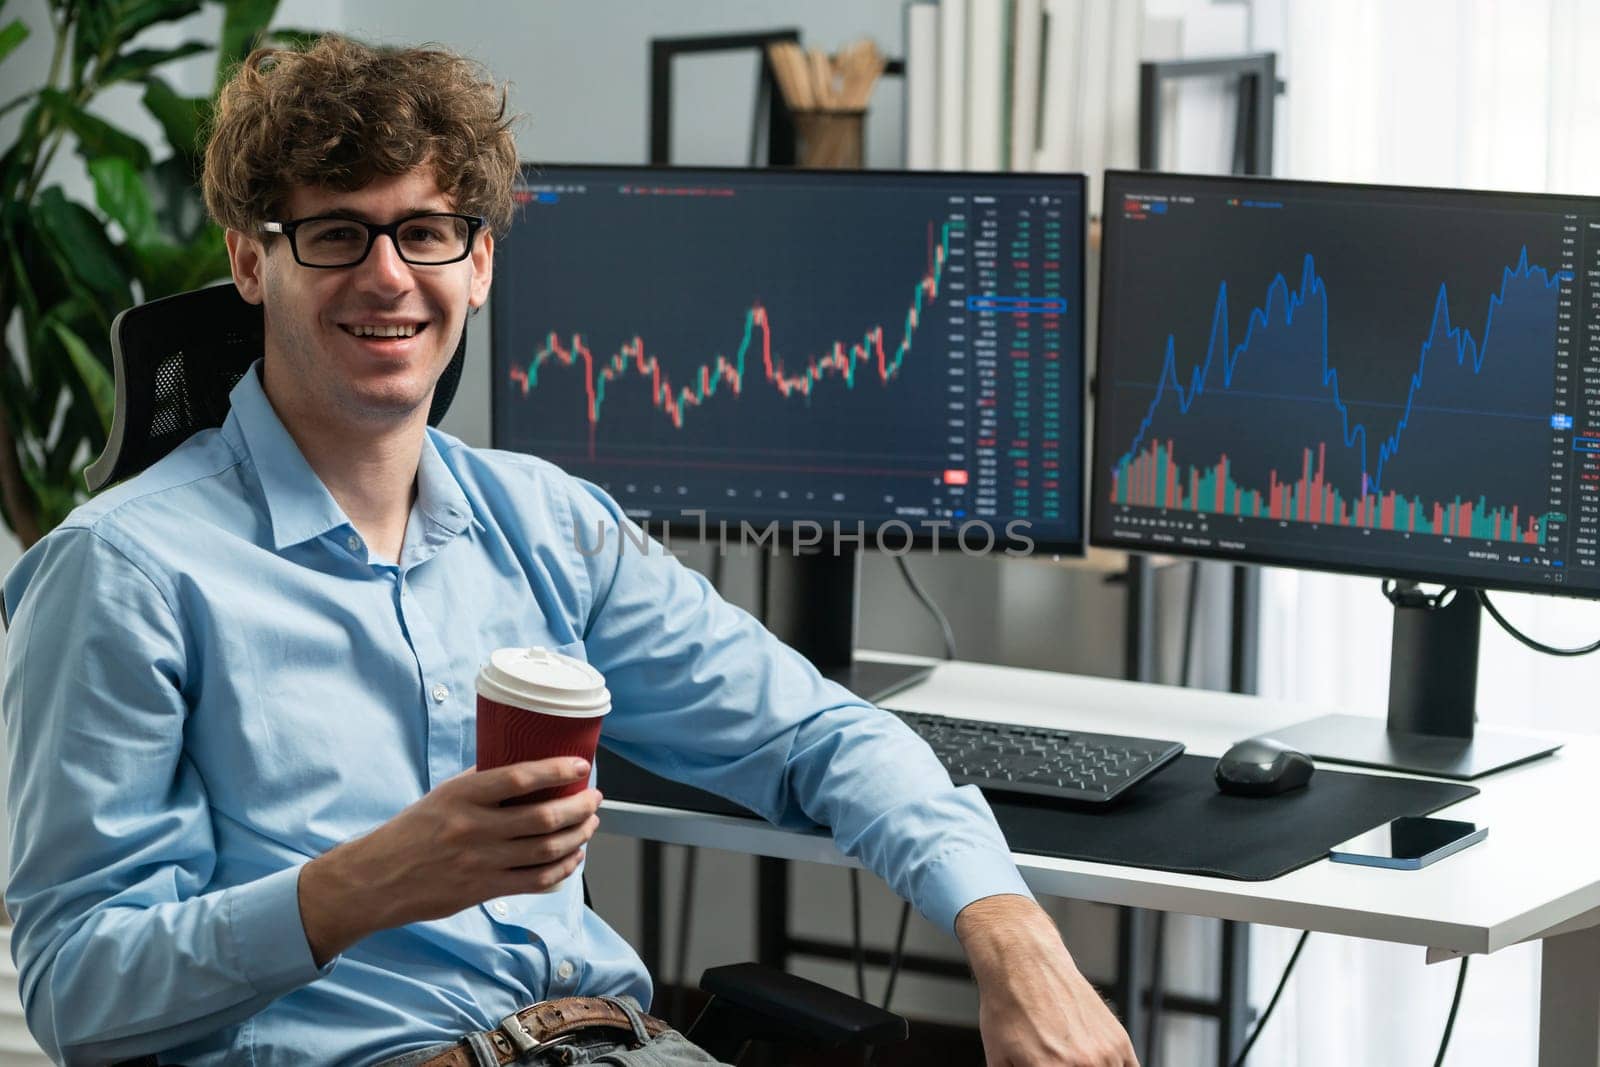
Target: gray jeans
<point>670,1049</point>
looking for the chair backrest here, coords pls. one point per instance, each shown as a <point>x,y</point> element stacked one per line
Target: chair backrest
<point>176,360</point>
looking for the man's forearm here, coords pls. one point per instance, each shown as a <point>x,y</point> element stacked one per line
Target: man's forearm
<point>338,904</point>
<point>1035,1009</point>
<point>995,929</point>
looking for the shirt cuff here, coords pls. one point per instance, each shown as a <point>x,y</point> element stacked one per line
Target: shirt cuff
<point>268,937</point>
<point>957,879</point>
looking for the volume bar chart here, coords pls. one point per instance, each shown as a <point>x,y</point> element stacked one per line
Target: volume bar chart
<point>1154,480</point>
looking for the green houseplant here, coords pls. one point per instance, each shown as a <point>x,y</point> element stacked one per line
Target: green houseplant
<point>69,267</point>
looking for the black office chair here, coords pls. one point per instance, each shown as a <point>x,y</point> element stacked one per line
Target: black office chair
<point>175,361</point>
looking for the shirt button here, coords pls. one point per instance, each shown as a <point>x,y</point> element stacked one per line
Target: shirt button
<point>565,971</point>
<point>441,693</point>
<point>500,909</point>
<point>354,543</point>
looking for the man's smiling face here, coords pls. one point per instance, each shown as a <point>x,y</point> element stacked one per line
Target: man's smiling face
<point>361,345</point>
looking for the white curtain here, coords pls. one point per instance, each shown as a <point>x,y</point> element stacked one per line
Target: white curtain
<point>1478,93</point>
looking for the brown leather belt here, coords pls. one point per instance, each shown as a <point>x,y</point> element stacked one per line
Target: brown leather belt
<point>548,1025</point>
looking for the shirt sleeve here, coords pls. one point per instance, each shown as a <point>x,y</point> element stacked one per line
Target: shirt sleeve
<point>120,949</point>
<point>703,694</point>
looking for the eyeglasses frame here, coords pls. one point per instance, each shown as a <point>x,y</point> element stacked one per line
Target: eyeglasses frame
<point>375,230</point>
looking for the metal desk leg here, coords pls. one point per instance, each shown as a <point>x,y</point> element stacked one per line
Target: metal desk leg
<point>652,878</point>
<point>1234,995</point>
<point>772,913</point>
<point>1133,975</point>
<point>1569,1000</point>
<point>1150,1051</point>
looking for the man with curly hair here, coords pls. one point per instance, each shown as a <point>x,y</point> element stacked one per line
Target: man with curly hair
<point>239,687</point>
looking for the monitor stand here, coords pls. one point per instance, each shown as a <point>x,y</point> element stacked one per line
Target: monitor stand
<point>1433,684</point>
<point>811,601</point>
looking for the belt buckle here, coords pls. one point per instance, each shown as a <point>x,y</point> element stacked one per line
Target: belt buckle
<point>522,1038</point>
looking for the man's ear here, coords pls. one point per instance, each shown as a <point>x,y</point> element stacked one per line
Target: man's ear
<point>482,270</point>
<point>248,260</point>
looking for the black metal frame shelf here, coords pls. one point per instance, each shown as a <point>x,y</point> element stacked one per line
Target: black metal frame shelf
<point>779,120</point>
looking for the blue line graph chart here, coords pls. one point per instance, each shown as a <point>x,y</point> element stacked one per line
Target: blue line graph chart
<point>1526,301</point>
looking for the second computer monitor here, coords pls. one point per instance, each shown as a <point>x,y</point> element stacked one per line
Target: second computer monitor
<point>901,351</point>
<point>1394,381</point>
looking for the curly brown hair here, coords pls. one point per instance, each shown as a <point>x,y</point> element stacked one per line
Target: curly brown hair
<point>340,114</point>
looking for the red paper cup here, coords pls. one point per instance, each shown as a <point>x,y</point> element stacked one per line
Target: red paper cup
<point>536,704</point>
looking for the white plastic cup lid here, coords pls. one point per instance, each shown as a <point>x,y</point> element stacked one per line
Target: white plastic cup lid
<point>541,680</point>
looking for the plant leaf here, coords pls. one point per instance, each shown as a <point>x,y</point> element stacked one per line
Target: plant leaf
<point>59,456</point>
<point>95,26</point>
<point>96,378</point>
<point>16,102</point>
<point>244,24</point>
<point>180,212</point>
<point>119,192</point>
<point>56,500</point>
<point>15,32</point>
<point>79,245</point>
<point>133,17</point>
<point>162,269</point>
<point>17,158</point>
<point>181,117</point>
<point>50,371</point>
<point>97,138</point>
<point>207,257</point>
<point>131,66</point>
<point>166,269</point>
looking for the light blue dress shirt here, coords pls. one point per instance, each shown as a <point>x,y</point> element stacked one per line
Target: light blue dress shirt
<point>210,679</point>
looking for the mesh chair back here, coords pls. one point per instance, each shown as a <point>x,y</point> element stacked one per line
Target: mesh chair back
<point>176,360</point>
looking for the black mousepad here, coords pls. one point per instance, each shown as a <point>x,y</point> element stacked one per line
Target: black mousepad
<point>1175,821</point>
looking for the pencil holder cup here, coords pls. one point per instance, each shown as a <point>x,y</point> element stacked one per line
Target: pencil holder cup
<point>830,138</point>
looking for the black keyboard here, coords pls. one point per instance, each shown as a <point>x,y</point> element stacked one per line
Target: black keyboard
<point>1060,764</point>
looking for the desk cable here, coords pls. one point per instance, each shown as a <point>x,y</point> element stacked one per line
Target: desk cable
<point>1408,595</point>
<point>1261,1023</point>
<point>1537,646</point>
<point>1444,1040</point>
<point>933,609</point>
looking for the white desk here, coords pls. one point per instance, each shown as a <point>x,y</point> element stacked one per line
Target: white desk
<point>1523,882</point>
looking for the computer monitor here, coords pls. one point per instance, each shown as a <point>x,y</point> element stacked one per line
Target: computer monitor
<point>1400,382</point>
<point>836,358</point>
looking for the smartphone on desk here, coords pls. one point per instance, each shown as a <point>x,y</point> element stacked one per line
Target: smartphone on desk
<point>1409,842</point>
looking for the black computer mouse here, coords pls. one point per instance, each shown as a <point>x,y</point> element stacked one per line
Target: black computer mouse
<point>1262,767</point>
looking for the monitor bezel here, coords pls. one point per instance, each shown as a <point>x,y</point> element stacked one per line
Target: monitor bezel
<point>1098,480</point>
<point>1074,548</point>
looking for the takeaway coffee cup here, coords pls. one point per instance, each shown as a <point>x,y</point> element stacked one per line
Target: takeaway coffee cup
<point>536,704</point>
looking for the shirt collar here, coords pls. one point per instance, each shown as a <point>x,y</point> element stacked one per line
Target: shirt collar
<point>441,504</point>
<point>298,504</point>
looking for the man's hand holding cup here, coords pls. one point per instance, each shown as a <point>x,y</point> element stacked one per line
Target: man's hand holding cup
<point>517,823</point>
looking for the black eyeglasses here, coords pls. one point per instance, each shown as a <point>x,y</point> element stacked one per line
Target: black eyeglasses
<point>431,239</point>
